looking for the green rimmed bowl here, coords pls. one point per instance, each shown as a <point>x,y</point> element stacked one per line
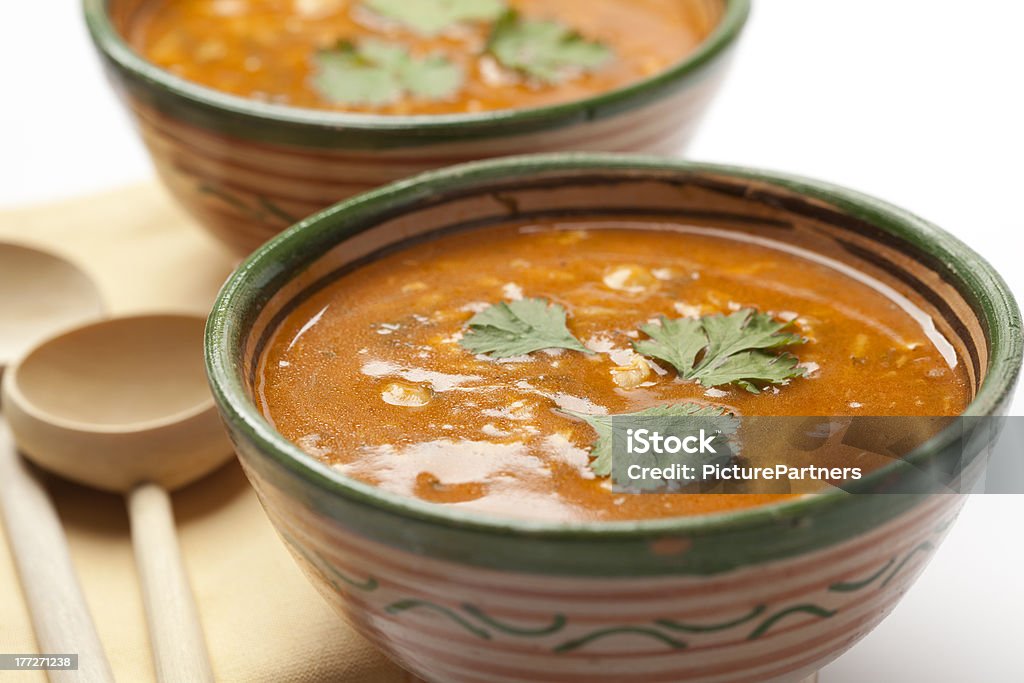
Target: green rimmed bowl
<point>246,170</point>
<point>769,593</point>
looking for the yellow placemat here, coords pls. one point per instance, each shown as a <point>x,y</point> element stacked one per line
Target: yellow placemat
<point>262,620</point>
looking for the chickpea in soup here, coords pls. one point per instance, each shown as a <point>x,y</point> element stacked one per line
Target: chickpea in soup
<point>418,56</point>
<point>389,375</point>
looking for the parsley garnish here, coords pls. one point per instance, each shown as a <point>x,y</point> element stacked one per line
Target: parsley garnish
<point>546,50</point>
<point>732,345</point>
<point>430,17</point>
<point>378,73</point>
<point>601,453</point>
<point>519,327</point>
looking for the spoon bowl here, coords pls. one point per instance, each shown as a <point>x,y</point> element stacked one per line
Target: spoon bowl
<point>40,294</point>
<point>118,402</point>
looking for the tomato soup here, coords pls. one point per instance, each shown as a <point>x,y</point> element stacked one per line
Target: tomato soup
<point>389,375</point>
<point>419,56</point>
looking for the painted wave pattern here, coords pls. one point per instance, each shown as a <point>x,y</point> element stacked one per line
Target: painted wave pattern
<point>462,627</point>
<point>475,620</point>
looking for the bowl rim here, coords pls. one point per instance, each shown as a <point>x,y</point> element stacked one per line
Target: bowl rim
<point>973,273</point>
<point>111,43</point>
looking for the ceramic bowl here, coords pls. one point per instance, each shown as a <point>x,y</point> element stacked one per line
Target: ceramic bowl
<point>768,593</point>
<point>247,170</point>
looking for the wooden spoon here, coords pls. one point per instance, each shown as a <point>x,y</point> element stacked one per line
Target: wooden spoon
<point>40,294</point>
<point>123,405</point>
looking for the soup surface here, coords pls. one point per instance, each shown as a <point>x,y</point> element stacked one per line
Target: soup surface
<point>373,375</point>
<point>418,56</point>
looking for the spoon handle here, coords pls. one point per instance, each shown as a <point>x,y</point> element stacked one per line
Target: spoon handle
<point>179,649</point>
<point>59,612</point>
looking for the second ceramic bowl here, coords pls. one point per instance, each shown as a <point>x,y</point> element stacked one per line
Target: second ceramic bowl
<point>247,170</point>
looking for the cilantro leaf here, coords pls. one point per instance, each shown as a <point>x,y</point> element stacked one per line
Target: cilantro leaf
<point>430,17</point>
<point>744,330</point>
<point>377,73</point>
<point>601,453</point>
<point>744,369</point>
<point>519,327</point>
<point>676,342</point>
<point>544,49</point>
<point>733,349</point>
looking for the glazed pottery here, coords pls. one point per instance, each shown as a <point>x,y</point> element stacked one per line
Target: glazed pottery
<point>767,593</point>
<point>246,170</point>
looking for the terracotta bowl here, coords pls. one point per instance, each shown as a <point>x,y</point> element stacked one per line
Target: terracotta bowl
<point>768,593</point>
<point>247,170</point>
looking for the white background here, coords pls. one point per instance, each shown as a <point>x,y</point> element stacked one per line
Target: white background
<point>917,101</point>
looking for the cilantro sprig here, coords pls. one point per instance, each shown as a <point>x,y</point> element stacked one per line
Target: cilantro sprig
<point>376,73</point>
<point>430,17</point>
<point>601,452</point>
<point>543,49</point>
<point>519,327</point>
<point>717,350</point>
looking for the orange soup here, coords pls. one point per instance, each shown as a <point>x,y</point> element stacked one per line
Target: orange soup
<point>419,56</point>
<point>456,370</point>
